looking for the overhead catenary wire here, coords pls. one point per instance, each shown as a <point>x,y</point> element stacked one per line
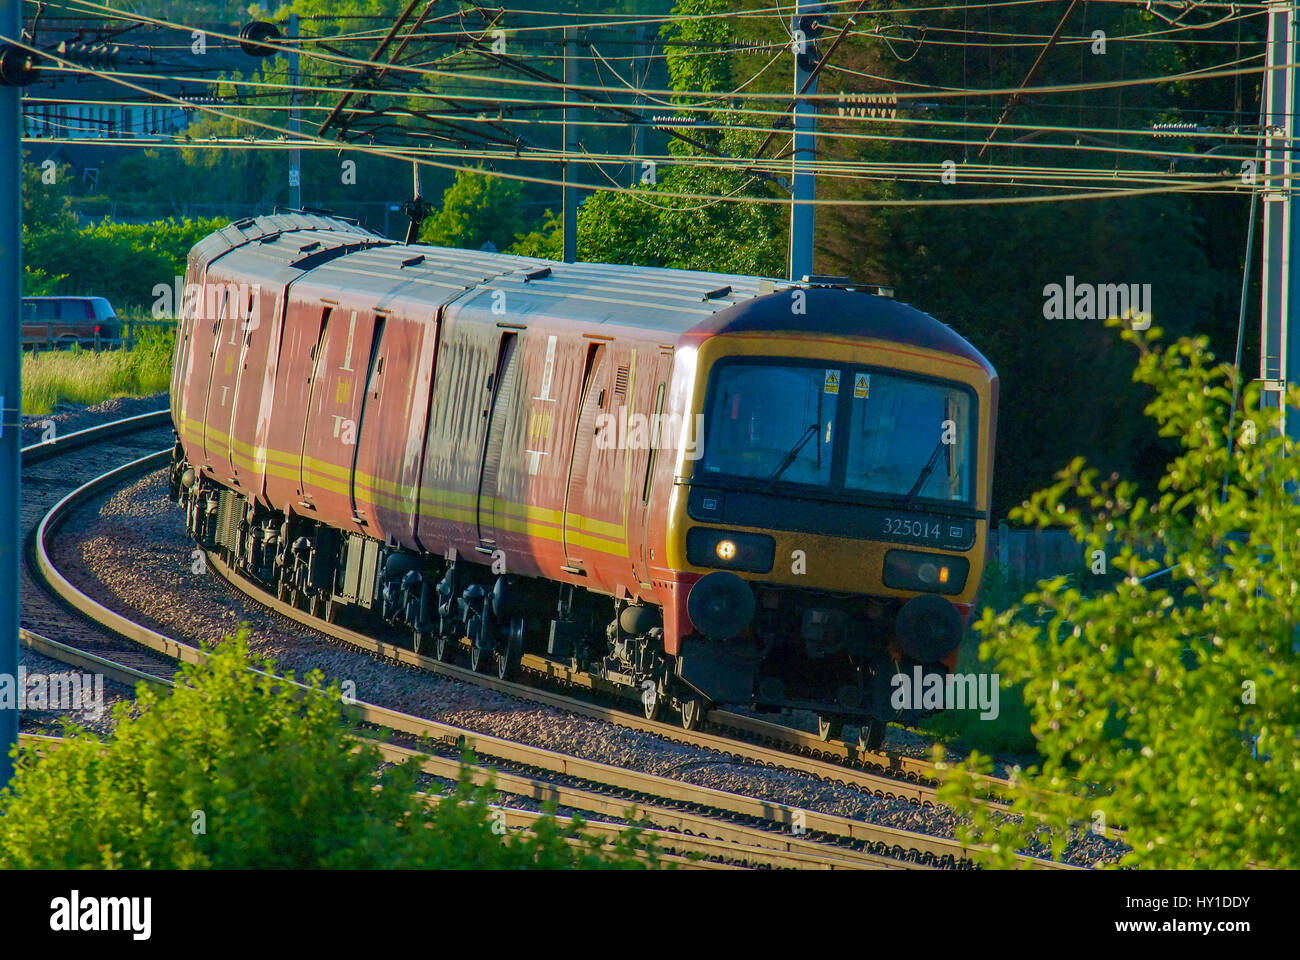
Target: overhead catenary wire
<point>707,95</point>
<point>822,134</point>
<point>840,168</point>
<point>661,194</point>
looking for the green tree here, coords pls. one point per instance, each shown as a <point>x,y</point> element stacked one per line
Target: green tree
<point>475,209</point>
<point>241,769</point>
<point>724,236</point>
<point>546,242</point>
<point>47,206</point>
<point>1171,707</point>
<point>38,283</point>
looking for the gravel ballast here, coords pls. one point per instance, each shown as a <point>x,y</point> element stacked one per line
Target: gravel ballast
<point>133,554</point>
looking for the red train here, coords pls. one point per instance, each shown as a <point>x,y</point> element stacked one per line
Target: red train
<point>713,488</point>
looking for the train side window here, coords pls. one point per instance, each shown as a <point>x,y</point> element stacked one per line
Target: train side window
<point>324,322</point>
<point>654,444</point>
<point>376,365</point>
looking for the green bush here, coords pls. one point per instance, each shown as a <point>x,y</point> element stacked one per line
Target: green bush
<point>238,769</point>
<point>120,261</point>
<point>1171,707</point>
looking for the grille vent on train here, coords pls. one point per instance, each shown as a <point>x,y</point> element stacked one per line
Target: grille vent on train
<point>230,509</point>
<point>620,382</point>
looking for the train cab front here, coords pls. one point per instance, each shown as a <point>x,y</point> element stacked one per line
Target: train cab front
<point>830,535</point>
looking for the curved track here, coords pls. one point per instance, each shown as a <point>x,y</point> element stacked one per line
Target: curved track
<point>683,818</point>
<point>904,778</point>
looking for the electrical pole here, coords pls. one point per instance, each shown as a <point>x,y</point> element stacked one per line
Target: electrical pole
<point>11,466</point>
<point>640,64</point>
<point>1279,351</point>
<point>295,155</point>
<point>805,24</point>
<point>569,200</point>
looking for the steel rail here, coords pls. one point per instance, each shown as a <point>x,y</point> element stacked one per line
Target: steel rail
<point>763,847</point>
<point>881,838</point>
<point>882,785</point>
<point>36,452</point>
<point>747,844</point>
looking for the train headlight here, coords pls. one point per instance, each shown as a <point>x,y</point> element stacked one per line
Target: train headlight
<point>935,573</point>
<point>752,552</point>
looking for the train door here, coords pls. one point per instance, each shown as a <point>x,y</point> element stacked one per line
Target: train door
<point>505,384</point>
<point>316,358</point>
<point>593,403</point>
<point>340,367</point>
<point>241,335</point>
<point>188,316</point>
<point>227,350</point>
<point>662,442</point>
<point>369,402</point>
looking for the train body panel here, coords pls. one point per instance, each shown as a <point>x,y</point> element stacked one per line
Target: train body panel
<point>783,489</point>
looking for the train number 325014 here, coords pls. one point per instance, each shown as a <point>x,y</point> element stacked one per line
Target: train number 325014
<point>915,529</point>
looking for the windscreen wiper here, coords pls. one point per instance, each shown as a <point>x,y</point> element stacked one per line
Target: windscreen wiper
<point>925,474</point>
<point>791,454</point>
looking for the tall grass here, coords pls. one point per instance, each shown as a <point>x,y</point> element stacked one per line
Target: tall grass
<point>86,377</point>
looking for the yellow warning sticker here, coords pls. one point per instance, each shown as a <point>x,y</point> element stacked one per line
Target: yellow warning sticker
<point>832,381</point>
<point>862,386</point>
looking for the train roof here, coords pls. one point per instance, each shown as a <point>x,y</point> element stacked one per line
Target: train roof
<point>329,253</point>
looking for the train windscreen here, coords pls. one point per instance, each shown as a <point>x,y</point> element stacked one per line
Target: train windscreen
<point>781,423</point>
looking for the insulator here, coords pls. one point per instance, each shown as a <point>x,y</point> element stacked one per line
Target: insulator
<point>17,66</point>
<point>256,31</point>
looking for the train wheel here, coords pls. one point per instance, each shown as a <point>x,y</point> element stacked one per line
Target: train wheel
<point>871,735</point>
<point>442,647</point>
<point>478,658</point>
<point>651,701</point>
<point>419,640</point>
<point>692,710</point>
<point>508,658</point>
<point>507,664</point>
<point>829,728</point>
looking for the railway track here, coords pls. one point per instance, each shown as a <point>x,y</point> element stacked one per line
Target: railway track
<point>904,778</point>
<point>695,819</point>
<point>51,471</point>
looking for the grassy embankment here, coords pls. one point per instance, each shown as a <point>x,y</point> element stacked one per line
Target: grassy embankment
<point>1009,732</point>
<point>86,377</point>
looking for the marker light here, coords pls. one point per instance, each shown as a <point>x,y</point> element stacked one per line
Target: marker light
<point>726,549</point>
<point>932,572</point>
